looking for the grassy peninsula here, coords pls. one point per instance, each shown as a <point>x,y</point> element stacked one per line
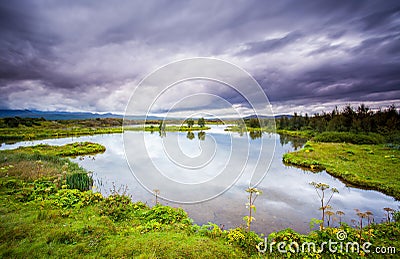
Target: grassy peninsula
<point>369,166</point>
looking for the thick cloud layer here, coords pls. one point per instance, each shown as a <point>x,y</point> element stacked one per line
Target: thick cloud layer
<point>308,56</point>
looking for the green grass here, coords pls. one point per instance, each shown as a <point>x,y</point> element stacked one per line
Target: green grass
<point>369,166</point>
<point>72,149</point>
<point>336,137</point>
<point>41,132</point>
<point>50,222</point>
<point>31,229</point>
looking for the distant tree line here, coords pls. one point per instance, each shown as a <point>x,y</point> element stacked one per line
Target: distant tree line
<point>360,120</point>
<point>13,122</point>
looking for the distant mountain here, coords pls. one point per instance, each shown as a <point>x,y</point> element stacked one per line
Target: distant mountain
<point>283,115</point>
<point>266,117</point>
<point>55,115</point>
<point>60,115</point>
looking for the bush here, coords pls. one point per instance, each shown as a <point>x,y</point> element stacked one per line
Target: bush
<point>348,137</point>
<point>248,241</point>
<point>166,215</point>
<point>396,216</point>
<point>117,207</point>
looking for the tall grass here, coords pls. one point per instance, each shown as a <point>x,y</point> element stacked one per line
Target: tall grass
<point>33,166</point>
<point>81,181</point>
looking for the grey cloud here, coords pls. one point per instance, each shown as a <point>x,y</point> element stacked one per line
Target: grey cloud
<point>252,48</point>
<point>341,81</point>
<point>381,18</point>
<point>326,51</point>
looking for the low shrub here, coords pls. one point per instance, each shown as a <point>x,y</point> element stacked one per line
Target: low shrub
<point>348,137</point>
<point>248,241</point>
<point>166,215</point>
<point>117,207</point>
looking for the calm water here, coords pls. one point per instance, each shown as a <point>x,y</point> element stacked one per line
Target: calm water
<point>288,199</point>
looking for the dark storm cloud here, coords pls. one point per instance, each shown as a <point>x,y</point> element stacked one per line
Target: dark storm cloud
<point>90,55</point>
<point>269,45</point>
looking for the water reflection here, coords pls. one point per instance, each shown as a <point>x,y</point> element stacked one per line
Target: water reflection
<point>201,135</point>
<point>190,135</point>
<point>295,142</point>
<point>162,133</point>
<point>254,134</point>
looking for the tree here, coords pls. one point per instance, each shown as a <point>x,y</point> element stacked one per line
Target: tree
<point>253,123</point>
<point>201,122</point>
<point>190,123</point>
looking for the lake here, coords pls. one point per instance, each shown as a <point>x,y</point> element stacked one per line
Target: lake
<point>231,161</point>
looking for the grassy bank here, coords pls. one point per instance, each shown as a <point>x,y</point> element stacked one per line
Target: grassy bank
<point>72,149</point>
<point>42,132</point>
<point>370,166</point>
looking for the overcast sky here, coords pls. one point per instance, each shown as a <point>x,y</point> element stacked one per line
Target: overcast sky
<point>308,56</point>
